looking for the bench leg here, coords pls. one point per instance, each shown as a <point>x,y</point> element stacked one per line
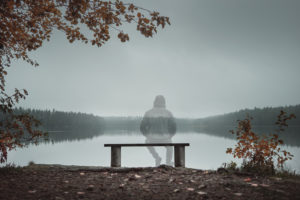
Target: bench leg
<point>179,156</point>
<point>115,156</point>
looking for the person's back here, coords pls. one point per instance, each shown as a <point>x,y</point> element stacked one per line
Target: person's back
<point>158,123</point>
<point>158,126</point>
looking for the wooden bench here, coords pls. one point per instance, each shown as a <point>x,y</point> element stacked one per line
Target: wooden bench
<point>179,152</point>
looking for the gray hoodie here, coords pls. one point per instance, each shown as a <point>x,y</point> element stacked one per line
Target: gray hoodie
<point>158,122</point>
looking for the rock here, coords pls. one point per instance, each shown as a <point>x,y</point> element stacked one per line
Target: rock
<point>82,173</point>
<point>31,191</point>
<point>176,190</point>
<point>254,184</point>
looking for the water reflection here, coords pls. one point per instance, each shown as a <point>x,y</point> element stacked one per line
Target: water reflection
<point>205,152</point>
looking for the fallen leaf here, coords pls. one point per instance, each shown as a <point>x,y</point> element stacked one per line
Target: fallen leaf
<point>32,191</point>
<point>66,181</point>
<point>254,184</point>
<point>82,173</point>
<point>121,185</point>
<point>247,179</point>
<point>190,189</point>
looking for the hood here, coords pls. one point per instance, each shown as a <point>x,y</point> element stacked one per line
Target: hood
<point>159,102</point>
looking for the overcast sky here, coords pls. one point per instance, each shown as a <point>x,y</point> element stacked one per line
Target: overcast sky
<point>217,56</point>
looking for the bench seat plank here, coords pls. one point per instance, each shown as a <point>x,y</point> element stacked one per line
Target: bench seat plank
<point>147,144</point>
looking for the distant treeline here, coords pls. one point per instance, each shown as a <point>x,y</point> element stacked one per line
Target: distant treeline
<point>261,117</point>
<point>53,120</point>
<point>263,122</point>
<point>63,126</point>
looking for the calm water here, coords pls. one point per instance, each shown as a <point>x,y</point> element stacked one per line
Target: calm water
<point>205,152</point>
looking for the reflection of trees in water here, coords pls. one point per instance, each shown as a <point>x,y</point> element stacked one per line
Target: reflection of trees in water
<point>291,136</point>
<point>58,136</point>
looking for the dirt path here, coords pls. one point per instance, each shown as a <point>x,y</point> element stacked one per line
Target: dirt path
<point>74,182</point>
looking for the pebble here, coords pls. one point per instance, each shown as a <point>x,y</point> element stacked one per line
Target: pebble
<point>202,193</point>
<point>80,193</point>
<point>264,185</point>
<point>90,187</point>
<point>238,194</point>
<point>176,190</point>
<point>202,186</point>
<point>190,189</point>
<point>137,176</point>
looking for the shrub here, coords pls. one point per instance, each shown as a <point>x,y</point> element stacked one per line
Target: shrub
<point>260,153</point>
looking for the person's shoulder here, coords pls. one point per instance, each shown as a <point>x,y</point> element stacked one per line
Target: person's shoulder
<point>169,113</point>
<point>149,112</point>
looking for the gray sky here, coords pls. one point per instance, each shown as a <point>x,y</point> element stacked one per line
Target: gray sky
<point>217,56</point>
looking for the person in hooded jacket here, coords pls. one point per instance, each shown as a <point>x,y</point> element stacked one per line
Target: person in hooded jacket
<point>159,126</point>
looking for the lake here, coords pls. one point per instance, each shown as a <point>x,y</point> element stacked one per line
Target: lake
<point>205,152</point>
